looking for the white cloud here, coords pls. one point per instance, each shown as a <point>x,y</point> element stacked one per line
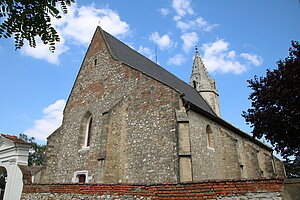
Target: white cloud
<point>189,40</point>
<point>218,58</point>
<point>52,119</point>
<point>163,42</point>
<point>198,24</point>
<point>252,58</point>
<point>176,18</point>
<point>231,54</point>
<point>210,27</point>
<point>78,27</point>
<point>164,11</point>
<point>182,7</point>
<point>217,47</point>
<point>178,59</point>
<point>41,51</point>
<point>80,23</point>
<point>147,52</point>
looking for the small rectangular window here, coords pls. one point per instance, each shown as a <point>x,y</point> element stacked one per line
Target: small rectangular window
<point>81,178</point>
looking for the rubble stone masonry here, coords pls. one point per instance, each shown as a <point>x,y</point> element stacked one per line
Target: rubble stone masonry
<point>133,129</point>
<point>143,132</point>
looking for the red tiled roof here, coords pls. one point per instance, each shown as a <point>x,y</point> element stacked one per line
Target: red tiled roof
<point>14,139</point>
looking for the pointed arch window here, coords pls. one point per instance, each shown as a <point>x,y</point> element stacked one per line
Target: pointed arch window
<point>209,134</point>
<point>86,130</point>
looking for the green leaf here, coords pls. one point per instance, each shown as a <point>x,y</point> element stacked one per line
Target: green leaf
<point>31,19</point>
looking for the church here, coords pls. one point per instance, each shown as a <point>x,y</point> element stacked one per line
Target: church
<point>128,120</point>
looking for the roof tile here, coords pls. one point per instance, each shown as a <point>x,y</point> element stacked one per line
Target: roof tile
<point>14,139</point>
<point>127,55</point>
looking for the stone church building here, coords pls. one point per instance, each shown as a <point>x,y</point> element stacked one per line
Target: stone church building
<point>128,120</point>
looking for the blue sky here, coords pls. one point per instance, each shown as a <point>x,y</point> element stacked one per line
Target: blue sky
<point>236,39</point>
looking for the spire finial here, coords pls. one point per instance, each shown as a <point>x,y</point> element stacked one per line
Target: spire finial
<point>196,48</point>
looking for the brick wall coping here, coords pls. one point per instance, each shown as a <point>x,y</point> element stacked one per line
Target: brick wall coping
<point>207,181</point>
<point>207,189</point>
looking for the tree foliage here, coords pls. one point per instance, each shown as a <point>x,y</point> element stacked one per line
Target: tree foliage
<point>26,19</point>
<point>275,111</point>
<point>292,167</point>
<point>37,151</point>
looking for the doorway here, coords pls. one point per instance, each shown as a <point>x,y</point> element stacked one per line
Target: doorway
<point>3,179</point>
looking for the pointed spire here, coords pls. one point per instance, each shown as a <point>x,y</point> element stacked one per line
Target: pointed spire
<point>205,86</point>
<point>198,66</point>
<point>197,59</point>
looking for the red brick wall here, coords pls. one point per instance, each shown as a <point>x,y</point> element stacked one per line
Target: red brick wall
<point>210,189</point>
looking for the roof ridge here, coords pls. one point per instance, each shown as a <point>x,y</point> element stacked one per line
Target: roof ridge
<point>139,54</point>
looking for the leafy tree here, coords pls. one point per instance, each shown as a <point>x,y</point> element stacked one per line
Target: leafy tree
<point>292,167</point>
<point>275,111</point>
<point>37,151</point>
<point>26,19</point>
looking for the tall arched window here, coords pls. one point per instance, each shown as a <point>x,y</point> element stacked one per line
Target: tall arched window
<point>86,130</point>
<point>209,134</point>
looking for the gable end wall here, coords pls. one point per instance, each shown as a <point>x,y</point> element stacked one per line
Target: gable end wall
<point>133,131</point>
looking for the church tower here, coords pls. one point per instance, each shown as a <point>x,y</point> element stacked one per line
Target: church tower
<point>204,85</point>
